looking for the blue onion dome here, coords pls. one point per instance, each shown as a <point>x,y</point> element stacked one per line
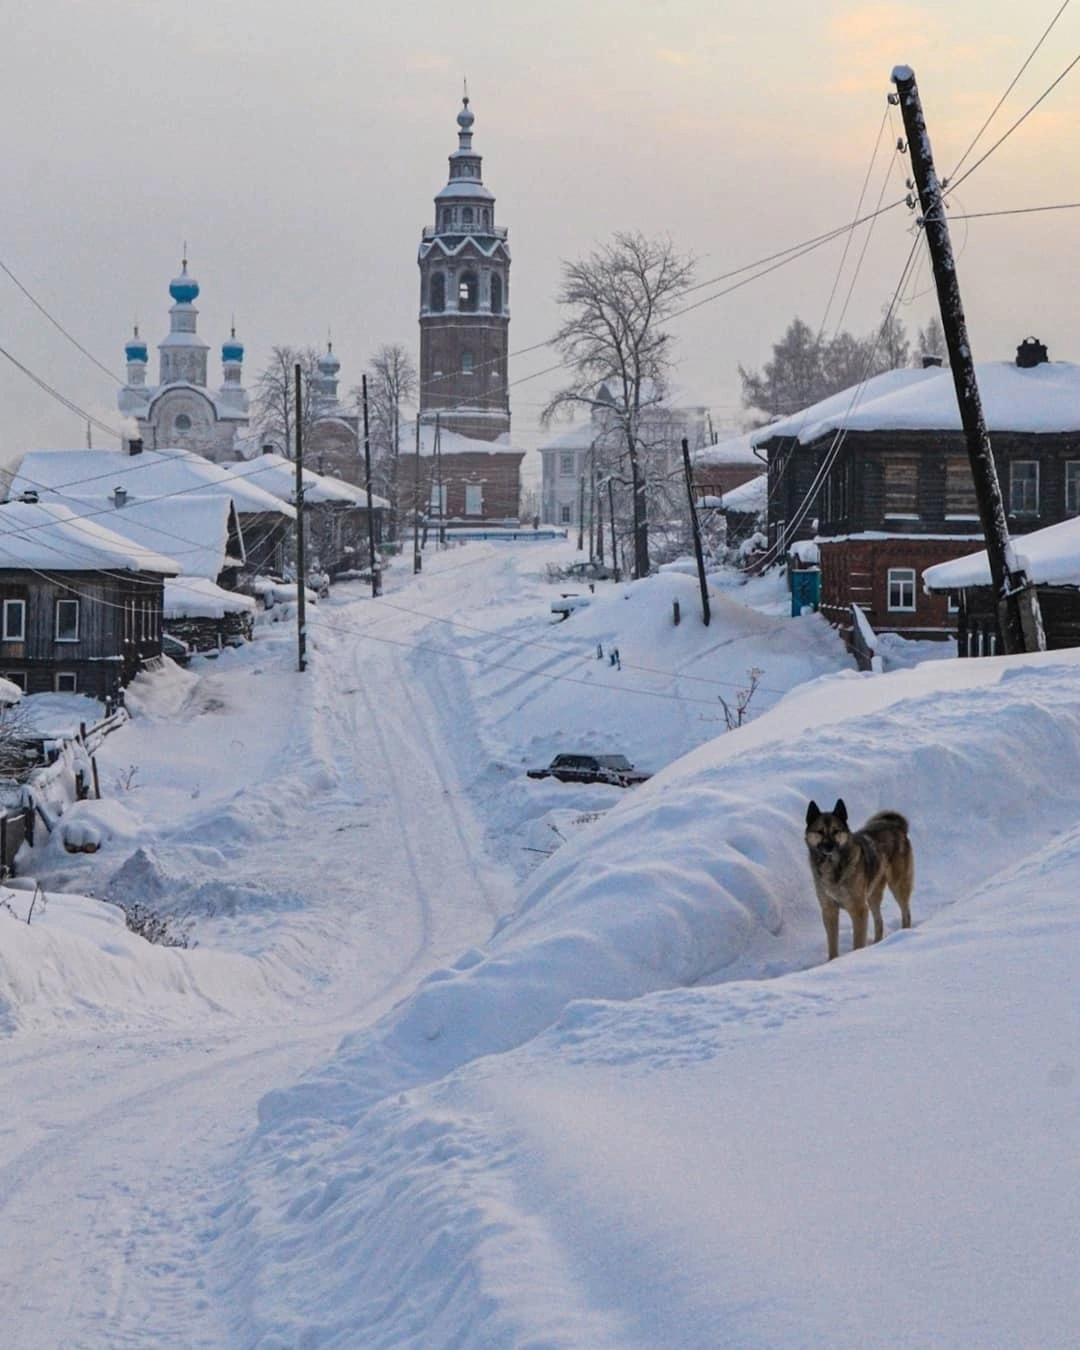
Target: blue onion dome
<point>135,348</point>
<point>183,288</point>
<point>465,117</point>
<point>233,349</point>
<point>328,362</point>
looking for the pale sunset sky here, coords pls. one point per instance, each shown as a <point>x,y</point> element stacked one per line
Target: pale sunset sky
<point>297,149</point>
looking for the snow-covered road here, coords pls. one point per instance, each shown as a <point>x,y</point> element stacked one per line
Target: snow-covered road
<point>329,798</point>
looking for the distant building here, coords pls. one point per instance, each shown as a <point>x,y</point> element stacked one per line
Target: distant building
<point>464,262</point>
<point>180,410</point>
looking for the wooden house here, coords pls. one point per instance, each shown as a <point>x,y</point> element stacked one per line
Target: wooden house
<point>337,514</point>
<point>879,478</point>
<point>98,479</point>
<point>1050,557</point>
<point>80,606</point>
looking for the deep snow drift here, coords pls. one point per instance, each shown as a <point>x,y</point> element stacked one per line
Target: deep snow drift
<point>606,1097</point>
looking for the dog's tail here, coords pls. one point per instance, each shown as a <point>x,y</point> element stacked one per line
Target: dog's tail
<point>886,820</point>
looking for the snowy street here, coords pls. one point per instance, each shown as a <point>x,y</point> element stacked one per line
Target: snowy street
<point>466,1059</point>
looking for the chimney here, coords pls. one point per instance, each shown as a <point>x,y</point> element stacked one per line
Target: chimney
<point>268,449</point>
<point>1030,353</point>
<point>929,362</point>
<point>120,496</point>
<point>135,446</point>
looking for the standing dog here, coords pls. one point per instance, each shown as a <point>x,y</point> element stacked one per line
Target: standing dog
<point>851,869</point>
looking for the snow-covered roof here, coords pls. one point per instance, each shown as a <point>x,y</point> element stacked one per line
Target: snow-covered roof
<point>736,450</point>
<point>1040,399</point>
<point>200,598</point>
<point>153,473</point>
<point>1051,557</point>
<point>579,436</point>
<point>837,409</point>
<point>751,496</point>
<point>194,528</point>
<point>50,536</point>
<point>276,474</point>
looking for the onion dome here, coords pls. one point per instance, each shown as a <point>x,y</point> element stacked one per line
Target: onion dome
<point>328,362</point>
<point>135,348</point>
<point>465,117</point>
<point>184,289</point>
<point>233,348</point>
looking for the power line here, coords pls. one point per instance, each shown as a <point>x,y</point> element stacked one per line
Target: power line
<point>1012,85</point>
<point>57,324</point>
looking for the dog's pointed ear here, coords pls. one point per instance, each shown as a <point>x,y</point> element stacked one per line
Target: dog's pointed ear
<point>840,810</point>
<point>812,812</point>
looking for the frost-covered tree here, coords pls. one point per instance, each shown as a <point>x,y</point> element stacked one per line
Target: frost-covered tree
<point>391,388</point>
<point>619,354</point>
<point>273,398</point>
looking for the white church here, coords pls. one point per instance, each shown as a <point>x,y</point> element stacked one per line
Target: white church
<point>180,410</point>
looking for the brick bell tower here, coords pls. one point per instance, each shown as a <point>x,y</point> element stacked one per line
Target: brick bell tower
<point>464,303</point>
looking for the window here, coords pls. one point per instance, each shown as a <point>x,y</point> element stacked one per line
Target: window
<point>14,620</point>
<point>485,216</point>
<point>1024,487</point>
<point>65,682</point>
<point>67,620</point>
<point>474,499</point>
<point>466,217</point>
<point>437,296</point>
<point>902,486</point>
<point>960,502</point>
<point>468,361</point>
<point>953,606</point>
<point>444,219</point>
<point>181,422</point>
<point>1072,487</point>
<point>437,504</point>
<point>902,589</point>
<point>496,295</point>
<point>16,677</point>
<point>564,515</point>
<point>566,464</point>
<point>468,292</point>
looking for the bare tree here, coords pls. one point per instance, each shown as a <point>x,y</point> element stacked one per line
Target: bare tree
<point>391,387</point>
<point>273,399</point>
<point>613,341</point>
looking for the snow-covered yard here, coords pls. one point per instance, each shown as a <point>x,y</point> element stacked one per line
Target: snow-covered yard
<point>467,1059</point>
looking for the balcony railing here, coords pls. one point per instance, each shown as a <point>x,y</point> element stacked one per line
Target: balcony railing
<point>477,231</point>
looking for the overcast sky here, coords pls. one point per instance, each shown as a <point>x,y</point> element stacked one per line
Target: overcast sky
<point>297,150</point>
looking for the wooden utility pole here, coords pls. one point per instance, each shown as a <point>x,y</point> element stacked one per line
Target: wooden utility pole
<point>706,615</point>
<point>581,513</point>
<point>439,482</point>
<point>301,575</point>
<point>375,587</point>
<point>611,517</point>
<point>1019,617</point>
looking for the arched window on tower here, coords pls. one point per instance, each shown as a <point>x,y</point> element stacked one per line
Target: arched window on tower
<point>496,294</point>
<point>437,296</point>
<point>468,361</point>
<point>468,292</point>
<point>444,218</point>
<point>485,216</point>
<point>467,217</point>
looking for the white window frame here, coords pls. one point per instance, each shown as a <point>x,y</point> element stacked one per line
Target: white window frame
<point>566,464</point>
<point>56,619</point>
<point>564,515</point>
<point>13,607</point>
<point>1014,508</point>
<point>901,578</point>
<point>65,682</point>
<point>474,499</point>
<point>1072,487</point>
<point>437,500</point>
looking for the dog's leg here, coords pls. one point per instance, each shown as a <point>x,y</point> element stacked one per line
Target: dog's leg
<point>874,901</point>
<point>901,883</point>
<point>830,917</point>
<point>859,917</point>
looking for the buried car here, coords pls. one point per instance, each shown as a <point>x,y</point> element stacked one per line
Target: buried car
<point>614,769</point>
